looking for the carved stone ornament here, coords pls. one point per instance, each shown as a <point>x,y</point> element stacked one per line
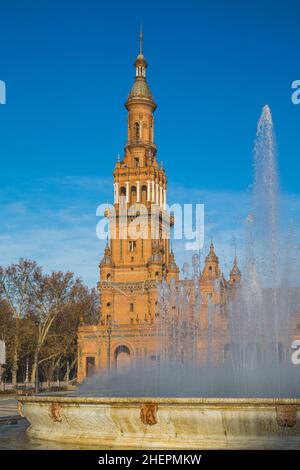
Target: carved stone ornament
<point>149,413</point>
<point>54,412</point>
<point>286,415</point>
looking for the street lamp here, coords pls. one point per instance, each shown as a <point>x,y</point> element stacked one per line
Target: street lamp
<point>109,331</point>
<point>2,360</point>
<point>36,358</point>
<point>68,372</point>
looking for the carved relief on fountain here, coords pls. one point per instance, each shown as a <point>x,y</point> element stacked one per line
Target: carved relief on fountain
<point>286,415</point>
<point>148,413</point>
<point>54,412</point>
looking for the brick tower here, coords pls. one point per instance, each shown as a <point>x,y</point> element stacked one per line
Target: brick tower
<point>133,263</point>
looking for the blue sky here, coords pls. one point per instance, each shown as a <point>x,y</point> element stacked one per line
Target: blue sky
<point>68,67</point>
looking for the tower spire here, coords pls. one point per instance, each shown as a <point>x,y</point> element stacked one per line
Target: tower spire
<point>235,273</point>
<point>141,39</point>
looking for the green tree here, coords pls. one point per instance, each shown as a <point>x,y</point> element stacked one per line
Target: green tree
<point>58,303</point>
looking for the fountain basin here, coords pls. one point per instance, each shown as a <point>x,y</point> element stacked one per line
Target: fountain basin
<point>165,423</point>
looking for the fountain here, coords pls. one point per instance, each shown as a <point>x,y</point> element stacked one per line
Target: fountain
<point>250,400</point>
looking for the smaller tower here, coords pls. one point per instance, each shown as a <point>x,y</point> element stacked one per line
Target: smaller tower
<point>211,269</point>
<point>106,300</point>
<point>172,269</point>
<point>211,280</point>
<point>235,274</point>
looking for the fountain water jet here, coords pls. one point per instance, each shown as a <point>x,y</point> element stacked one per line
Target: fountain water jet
<point>259,316</point>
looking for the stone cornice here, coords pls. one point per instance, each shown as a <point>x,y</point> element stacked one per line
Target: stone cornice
<point>129,286</point>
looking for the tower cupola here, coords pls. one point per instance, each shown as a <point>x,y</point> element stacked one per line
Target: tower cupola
<point>140,61</point>
<point>140,91</point>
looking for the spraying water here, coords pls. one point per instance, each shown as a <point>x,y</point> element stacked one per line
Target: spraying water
<point>239,345</point>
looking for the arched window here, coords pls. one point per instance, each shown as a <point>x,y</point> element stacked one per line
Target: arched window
<point>131,307</point>
<point>144,194</point>
<point>136,131</point>
<point>108,276</point>
<point>151,131</point>
<point>123,191</point>
<point>133,194</point>
<point>122,357</point>
<point>156,275</point>
<point>132,245</point>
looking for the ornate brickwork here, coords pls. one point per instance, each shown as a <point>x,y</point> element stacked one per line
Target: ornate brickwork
<point>131,268</point>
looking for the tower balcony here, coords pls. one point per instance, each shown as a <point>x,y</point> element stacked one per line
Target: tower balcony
<point>140,143</point>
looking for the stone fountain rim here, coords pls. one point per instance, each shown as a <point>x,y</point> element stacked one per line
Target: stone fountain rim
<point>163,400</point>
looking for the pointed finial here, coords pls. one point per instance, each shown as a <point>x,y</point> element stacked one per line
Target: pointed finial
<point>141,39</point>
<point>118,159</point>
<point>235,269</point>
<point>107,251</point>
<point>211,248</point>
<point>161,164</point>
<point>235,258</point>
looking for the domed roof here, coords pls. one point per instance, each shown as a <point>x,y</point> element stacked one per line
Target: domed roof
<point>141,58</point>
<point>140,88</point>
